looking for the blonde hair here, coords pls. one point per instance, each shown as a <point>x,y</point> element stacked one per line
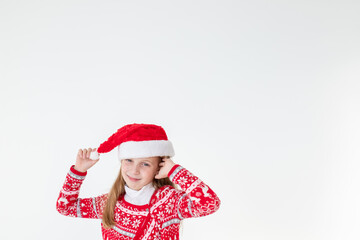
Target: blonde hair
<point>117,190</point>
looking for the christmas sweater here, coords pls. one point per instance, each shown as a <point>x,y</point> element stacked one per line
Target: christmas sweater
<point>160,219</point>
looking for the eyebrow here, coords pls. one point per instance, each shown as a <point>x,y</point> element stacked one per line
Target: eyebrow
<point>145,160</point>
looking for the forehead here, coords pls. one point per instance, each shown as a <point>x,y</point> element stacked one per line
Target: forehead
<point>147,159</point>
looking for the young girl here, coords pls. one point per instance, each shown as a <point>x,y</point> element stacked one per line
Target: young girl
<point>143,202</point>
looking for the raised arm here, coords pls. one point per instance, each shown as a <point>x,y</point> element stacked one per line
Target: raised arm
<point>197,198</point>
<point>68,202</point>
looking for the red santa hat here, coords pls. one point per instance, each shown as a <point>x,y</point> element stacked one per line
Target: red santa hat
<point>137,140</point>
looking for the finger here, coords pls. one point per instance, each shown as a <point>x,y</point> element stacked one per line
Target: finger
<point>84,153</point>
<point>88,153</point>
<point>165,159</point>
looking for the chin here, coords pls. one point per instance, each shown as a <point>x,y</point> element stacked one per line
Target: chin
<point>135,187</point>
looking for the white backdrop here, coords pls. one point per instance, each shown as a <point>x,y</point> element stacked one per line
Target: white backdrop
<point>260,99</point>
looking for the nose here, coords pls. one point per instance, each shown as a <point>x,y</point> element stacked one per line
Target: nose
<point>135,170</point>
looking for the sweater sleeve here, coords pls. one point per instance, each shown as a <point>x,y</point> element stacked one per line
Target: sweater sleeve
<point>68,202</point>
<point>197,198</point>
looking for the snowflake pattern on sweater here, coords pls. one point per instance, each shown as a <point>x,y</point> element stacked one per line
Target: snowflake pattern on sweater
<point>160,219</point>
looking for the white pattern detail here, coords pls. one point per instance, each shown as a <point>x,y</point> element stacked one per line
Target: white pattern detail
<point>142,213</point>
<point>69,192</point>
<point>126,221</point>
<point>189,208</point>
<point>78,177</point>
<point>204,190</point>
<point>64,200</point>
<point>152,225</point>
<point>197,200</point>
<point>161,201</point>
<point>168,208</point>
<point>136,223</point>
<point>78,208</point>
<point>168,223</point>
<point>178,207</point>
<point>161,216</point>
<point>94,206</point>
<point>193,185</point>
<point>182,180</point>
<point>176,171</point>
<point>129,234</point>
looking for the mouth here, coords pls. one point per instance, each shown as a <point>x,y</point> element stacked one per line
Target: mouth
<point>133,179</point>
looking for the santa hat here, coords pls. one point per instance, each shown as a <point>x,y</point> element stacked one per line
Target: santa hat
<point>137,140</point>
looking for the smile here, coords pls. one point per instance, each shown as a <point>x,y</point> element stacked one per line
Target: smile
<point>133,179</point>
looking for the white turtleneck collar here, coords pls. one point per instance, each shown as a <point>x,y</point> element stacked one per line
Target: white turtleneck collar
<point>140,197</point>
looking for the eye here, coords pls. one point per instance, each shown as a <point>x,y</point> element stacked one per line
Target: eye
<point>146,164</point>
<point>128,160</point>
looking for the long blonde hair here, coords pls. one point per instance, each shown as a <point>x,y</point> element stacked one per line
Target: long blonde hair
<point>117,190</point>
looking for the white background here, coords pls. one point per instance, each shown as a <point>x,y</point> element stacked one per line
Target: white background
<point>260,99</point>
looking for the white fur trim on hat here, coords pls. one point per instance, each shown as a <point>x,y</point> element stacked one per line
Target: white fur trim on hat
<point>152,148</point>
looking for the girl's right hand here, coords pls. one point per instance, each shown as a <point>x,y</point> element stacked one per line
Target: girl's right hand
<point>83,161</point>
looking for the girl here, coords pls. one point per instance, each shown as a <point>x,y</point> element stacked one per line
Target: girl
<point>143,202</point>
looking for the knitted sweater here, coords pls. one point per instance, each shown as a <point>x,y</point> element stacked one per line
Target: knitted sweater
<point>160,219</point>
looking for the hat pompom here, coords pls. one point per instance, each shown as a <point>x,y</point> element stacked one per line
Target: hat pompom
<point>94,155</point>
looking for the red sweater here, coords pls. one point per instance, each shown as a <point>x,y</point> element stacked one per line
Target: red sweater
<point>160,219</point>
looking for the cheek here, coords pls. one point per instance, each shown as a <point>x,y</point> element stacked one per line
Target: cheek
<point>154,172</point>
<point>150,172</point>
<point>123,170</point>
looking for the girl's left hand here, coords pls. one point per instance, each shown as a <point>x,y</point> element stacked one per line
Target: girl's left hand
<point>165,166</point>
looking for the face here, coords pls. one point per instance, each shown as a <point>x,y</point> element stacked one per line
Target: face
<point>138,172</point>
